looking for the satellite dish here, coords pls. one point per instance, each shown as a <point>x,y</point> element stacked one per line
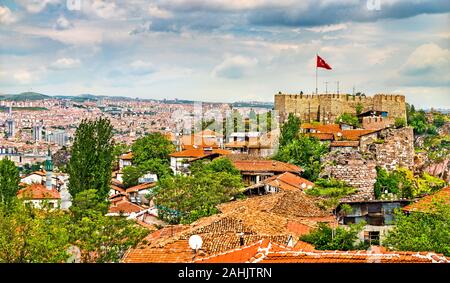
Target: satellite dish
<point>195,242</point>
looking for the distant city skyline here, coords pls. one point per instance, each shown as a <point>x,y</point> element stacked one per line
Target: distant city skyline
<point>226,51</point>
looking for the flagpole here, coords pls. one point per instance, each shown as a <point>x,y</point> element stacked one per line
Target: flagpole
<point>316,74</point>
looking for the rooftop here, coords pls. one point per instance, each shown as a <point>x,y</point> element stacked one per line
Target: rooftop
<point>425,204</point>
<point>265,165</point>
<point>38,192</point>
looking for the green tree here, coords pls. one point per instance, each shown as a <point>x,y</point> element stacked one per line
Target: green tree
<point>359,108</point>
<point>29,235</point>
<point>152,146</point>
<point>90,165</point>
<point>350,119</point>
<point>100,238</point>
<point>9,181</point>
<point>343,239</point>
<point>131,175</point>
<point>186,198</point>
<point>289,130</point>
<point>399,122</point>
<point>422,231</point>
<point>305,152</point>
<point>118,150</point>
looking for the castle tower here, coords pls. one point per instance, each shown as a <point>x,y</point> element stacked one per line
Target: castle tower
<point>49,170</point>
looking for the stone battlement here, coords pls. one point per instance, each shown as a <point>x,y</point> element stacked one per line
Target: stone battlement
<point>327,107</point>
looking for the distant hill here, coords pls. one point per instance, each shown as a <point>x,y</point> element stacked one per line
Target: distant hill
<point>24,96</point>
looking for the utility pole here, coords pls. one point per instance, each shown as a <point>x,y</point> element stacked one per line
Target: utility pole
<point>326,87</point>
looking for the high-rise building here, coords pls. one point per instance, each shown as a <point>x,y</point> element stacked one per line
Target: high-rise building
<point>10,125</point>
<point>37,132</point>
<point>59,137</point>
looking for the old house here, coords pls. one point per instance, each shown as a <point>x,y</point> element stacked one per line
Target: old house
<point>256,171</point>
<point>180,160</point>
<point>378,215</point>
<point>40,196</point>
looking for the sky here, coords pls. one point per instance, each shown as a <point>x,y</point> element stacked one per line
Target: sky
<point>226,50</point>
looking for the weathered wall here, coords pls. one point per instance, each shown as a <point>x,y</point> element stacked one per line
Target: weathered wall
<point>389,148</point>
<point>392,148</point>
<point>327,107</point>
<point>355,169</point>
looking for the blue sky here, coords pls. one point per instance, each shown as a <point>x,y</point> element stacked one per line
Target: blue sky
<point>226,50</point>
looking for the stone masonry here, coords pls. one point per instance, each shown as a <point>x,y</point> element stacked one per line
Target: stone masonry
<point>326,108</point>
<point>389,148</point>
<point>356,169</point>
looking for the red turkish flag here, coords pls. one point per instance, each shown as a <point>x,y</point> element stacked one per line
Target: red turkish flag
<point>322,64</point>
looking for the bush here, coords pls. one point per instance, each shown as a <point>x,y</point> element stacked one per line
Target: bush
<point>400,123</point>
<point>342,239</point>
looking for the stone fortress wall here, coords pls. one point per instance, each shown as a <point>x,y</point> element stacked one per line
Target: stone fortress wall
<point>326,108</point>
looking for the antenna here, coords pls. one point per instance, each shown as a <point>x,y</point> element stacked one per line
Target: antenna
<point>326,87</point>
<point>195,242</point>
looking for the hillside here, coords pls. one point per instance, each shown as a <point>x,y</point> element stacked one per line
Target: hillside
<point>24,96</point>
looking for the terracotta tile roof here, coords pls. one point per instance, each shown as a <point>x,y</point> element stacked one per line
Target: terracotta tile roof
<point>288,181</point>
<point>124,206</point>
<point>354,135</point>
<point>117,188</point>
<point>141,187</point>
<point>40,173</point>
<point>321,128</point>
<point>126,156</point>
<point>197,153</point>
<point>38,191</point>
<point>198,142</point>
<point>344,143</point>
<point>287,204</point>
<point>425,204</point>
<point>322,136</point>
<point>265,166</point>
<point>350,257</point>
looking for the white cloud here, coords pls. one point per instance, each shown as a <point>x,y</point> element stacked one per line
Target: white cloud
<point>140,67</point>
<point>234,67</point>
<point>6,17</point>
<point>156,12</point>
<point>62,23</point>
<point>328,28</point>
<point>36,6</point>
<point>26,76</point>
<point>65,63</point>
<point>427,57</point>
<point>103,9</point>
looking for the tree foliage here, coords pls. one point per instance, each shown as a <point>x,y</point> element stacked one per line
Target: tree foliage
<point>343,239</point>
<point>9,181</point>
<point>184,199</point>
<point>151,154</point>
<point>30,235</point>
<point>422,231</point>
<point>350,119</point>
<point>90,165</point>
<point>305,152</point>
<point>289,130</point>
<point>401,183</point>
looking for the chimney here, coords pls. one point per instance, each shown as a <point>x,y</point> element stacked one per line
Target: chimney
<point>241,239</point>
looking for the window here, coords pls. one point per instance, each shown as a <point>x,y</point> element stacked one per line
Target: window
<point>372,237</point>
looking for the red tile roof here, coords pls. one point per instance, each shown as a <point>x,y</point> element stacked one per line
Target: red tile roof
<point>350,257</point>
<point>196,153</point>
<point>265,166</point>
<point>141,187</point>
<point>265,251</point>
<point>124,206</point>
<point>289,181</point>
<point>425,204</point>
<point>38,191</point>
<point>126,156</point>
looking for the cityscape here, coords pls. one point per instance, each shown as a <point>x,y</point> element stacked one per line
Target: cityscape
<point>107,158</point>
